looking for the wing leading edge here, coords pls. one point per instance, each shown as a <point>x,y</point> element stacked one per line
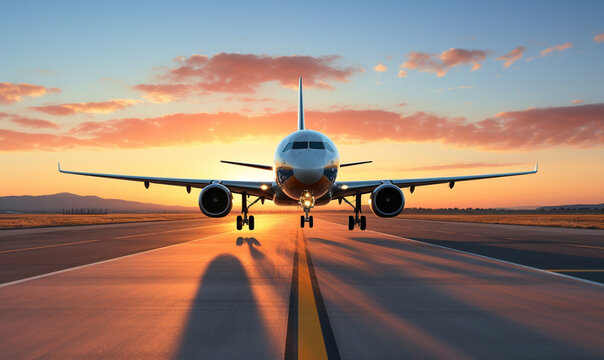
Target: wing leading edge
<point>254,188</point>
<point>352,187</point>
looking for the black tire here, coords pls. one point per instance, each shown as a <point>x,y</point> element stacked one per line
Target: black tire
<point>351,222</point>
<point>310,221</point>
<point>363,222</point>
<point>302,221</point>
<point>239,222</point>
<point>251,222</point>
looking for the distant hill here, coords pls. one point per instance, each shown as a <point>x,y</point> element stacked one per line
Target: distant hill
<point>573,207</point>
<point>58,202</point>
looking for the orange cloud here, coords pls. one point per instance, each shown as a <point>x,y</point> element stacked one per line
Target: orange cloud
<point>512,56</point>
<point>243,73</point>
<point>445,61</point>
<point>460,166</point>
<point>380,67</point>
<point>103,107</point>
<point>580,126</point>
<point>11,93</point>
<point>402,73</point>
<point>578,101</point>
<point>562,47</point>
<point>599,37</point>
<point>164,93</point>
<point>28,122</point>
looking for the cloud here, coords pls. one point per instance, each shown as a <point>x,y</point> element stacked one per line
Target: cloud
<point>103,107</point>
<point>164,93</point>
<point>578,101</point>
<point>441,63</point>
<point>599,38</point>
<point>12,93</point>
<point>561,47</point>
<point>575,126</point>
<point>460,166</point>
<point>512,56</point>
<point>380,67</point>
<point>29,122</point>
<point>21,141</point>
<point>402,73</point>
<point>243,73</point>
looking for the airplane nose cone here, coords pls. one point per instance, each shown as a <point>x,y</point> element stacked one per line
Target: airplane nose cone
<point>308,176</point>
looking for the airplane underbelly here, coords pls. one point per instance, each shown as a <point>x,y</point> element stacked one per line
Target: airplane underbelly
<point>295,183</point>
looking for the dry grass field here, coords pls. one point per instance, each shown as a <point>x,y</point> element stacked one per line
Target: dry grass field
<point>587,221</point>
<point>15,221</point>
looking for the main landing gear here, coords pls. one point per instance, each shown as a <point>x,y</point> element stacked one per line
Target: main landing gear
<point>307,201</point>
<point>356,219</point>
<point>245,220</point>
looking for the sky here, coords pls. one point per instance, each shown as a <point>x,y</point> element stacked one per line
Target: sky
<point>422,88</point>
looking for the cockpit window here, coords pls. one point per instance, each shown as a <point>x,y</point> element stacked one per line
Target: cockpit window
<point>287,147</point>
<point>316,145</point>
<point>300,145</point>
<point>328,147</point>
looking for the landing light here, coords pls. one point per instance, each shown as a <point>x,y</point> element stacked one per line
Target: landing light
<point>307,195</point>
<point>307,203</point>
<point>264,187</point>
<point>344,187</point>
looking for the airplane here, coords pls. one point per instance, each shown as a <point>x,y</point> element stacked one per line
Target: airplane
<point>306,165</point>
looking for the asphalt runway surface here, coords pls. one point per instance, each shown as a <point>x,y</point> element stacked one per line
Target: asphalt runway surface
<point>401,289</point>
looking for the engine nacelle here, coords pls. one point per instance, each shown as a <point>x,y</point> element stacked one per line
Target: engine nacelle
<point>387,200</point>
<point>215,200</point>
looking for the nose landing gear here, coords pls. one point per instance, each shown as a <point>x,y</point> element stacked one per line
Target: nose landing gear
<point>356,219</point>
<point>245,220</point>
<point>307,201</point>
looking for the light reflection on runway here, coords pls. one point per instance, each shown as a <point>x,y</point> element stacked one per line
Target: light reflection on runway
<point>227,295</point>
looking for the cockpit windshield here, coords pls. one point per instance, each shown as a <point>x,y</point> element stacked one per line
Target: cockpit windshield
<point>300,145</point>
<point>317,145</point>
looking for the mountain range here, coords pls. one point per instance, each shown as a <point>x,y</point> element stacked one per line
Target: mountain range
<point>63,201</point>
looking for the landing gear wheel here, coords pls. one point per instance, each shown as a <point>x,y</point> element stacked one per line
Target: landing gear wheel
<point>251,222</point>
<point>310,222</point>
<point>363,222</point>
<point>350,222</point>
<point>302,221</point>
<point>239,222</point>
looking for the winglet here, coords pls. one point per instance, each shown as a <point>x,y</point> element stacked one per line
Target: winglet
<point>537,167</point>
<point>300,106</point>
<point>60,167</point>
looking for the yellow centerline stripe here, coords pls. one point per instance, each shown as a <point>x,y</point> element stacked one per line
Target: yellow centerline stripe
<point>310,336</point>
<point>47,246</point>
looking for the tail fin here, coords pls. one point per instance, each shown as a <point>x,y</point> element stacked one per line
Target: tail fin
<point>300,106</point>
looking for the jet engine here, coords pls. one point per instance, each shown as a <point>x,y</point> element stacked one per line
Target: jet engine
<point>215,200</point>
<point>387,200</point>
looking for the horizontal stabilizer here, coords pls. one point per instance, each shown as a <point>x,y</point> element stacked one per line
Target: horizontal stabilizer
<point>356,163</point>
<point>257,166</point>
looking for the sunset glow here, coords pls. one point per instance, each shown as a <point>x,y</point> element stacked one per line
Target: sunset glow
<point>152,90</point>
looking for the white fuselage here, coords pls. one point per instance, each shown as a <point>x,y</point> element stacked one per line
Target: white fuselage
<point>306,161</point>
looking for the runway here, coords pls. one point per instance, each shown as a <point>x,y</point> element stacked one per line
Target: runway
<point>201,289</point>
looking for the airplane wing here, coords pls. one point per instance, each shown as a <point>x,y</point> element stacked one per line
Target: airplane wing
<point>254,188</point>
<point>350,188</point>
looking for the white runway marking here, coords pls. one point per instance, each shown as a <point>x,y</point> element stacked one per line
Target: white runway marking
<point>104,261</point>
<point>484,257</point>
<point>47,246</point>
<point>167,231</point>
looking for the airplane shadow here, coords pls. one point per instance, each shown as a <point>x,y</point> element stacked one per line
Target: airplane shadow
<point>252,244</point>
<point>224,321</point>
<point>435,310</point>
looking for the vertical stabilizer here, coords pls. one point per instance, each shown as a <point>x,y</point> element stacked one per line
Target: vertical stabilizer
<point>300,106</point>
